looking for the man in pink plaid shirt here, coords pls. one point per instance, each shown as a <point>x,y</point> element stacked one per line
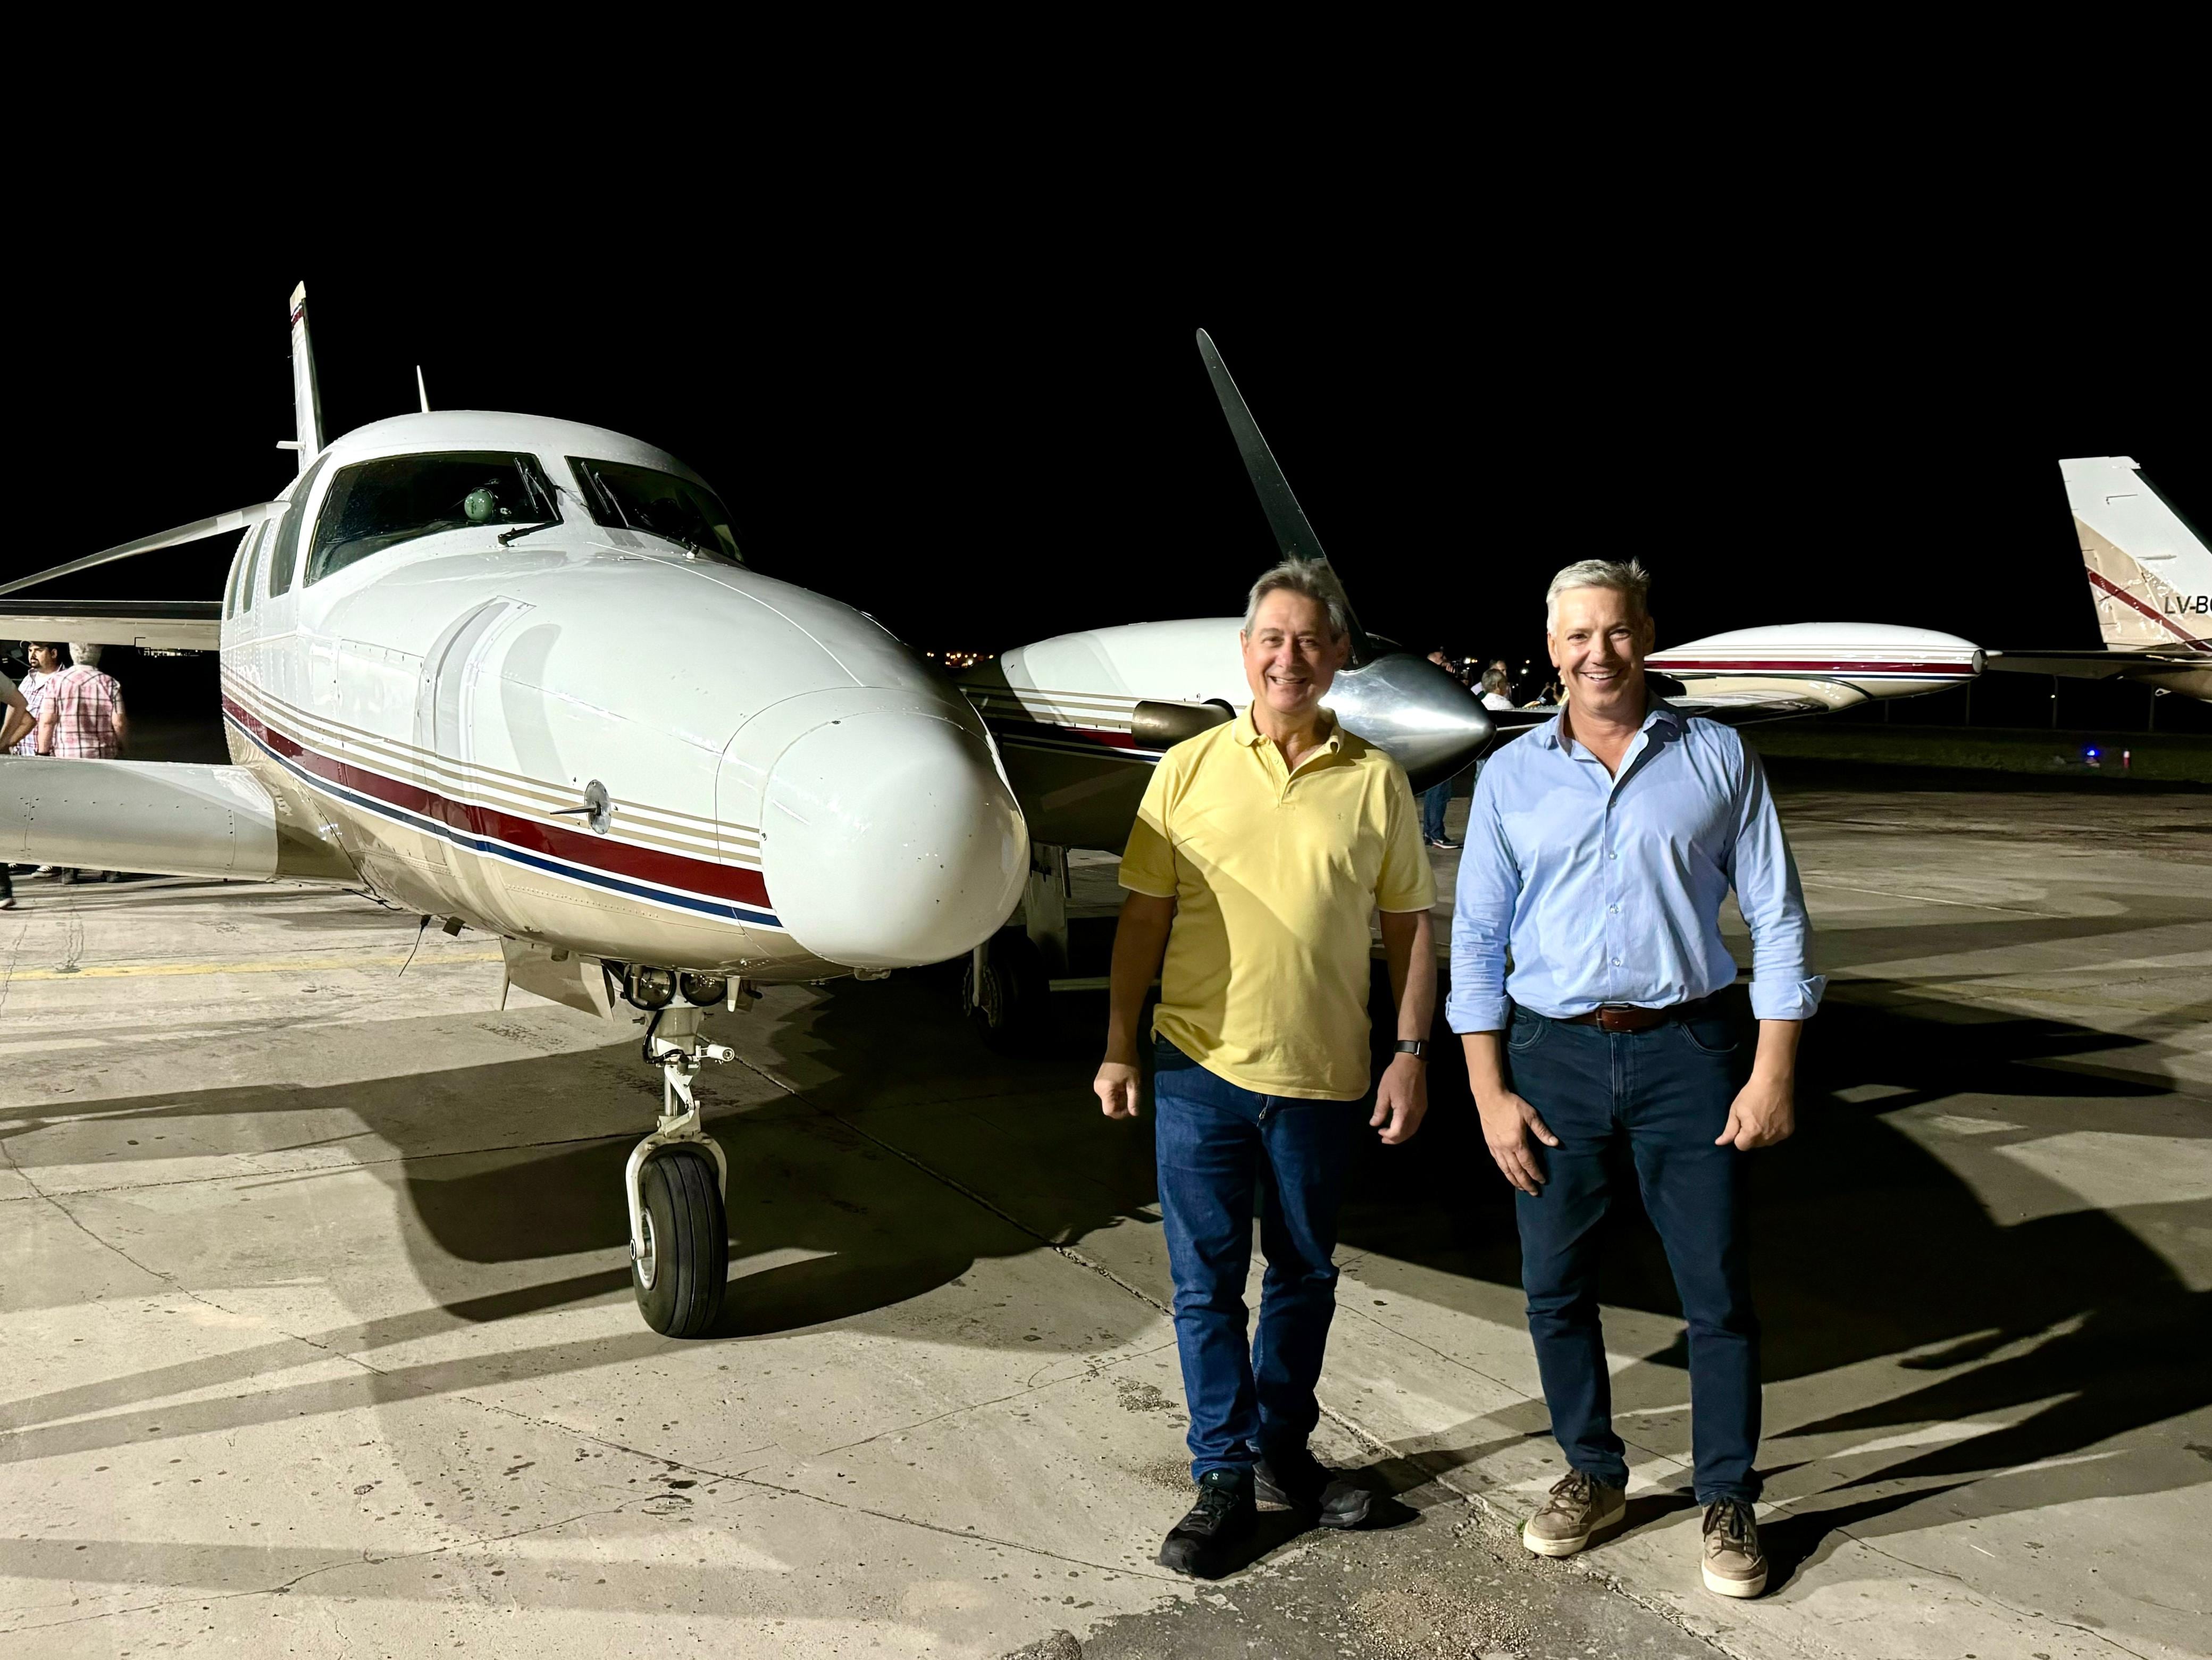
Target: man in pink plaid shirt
<point>82,714</point>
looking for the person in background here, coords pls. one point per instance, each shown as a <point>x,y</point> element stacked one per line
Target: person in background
<point>46,662</point>
<point>81,714</point>
<point>1497,689</point>
<point>1437,796</point>
<point>14,721</point>
<point>81,718</point>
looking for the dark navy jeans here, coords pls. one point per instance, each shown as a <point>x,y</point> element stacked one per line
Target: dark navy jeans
<point>1219,1146</point>
<point>1434,800</point>
<point>1665,1093</point>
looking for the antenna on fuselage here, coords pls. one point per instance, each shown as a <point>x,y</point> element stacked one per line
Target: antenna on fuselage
<point>422,392</point>
<point>307,396</point>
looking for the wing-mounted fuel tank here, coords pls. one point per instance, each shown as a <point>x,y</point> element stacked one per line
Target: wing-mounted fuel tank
<point>1819,665</point>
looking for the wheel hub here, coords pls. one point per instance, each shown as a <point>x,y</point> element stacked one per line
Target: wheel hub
<point>649,1263</point>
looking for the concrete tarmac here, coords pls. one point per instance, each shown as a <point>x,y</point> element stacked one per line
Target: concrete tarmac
<point>319,1340</point>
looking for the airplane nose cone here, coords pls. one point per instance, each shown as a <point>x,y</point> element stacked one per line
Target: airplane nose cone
<point>891,841</point>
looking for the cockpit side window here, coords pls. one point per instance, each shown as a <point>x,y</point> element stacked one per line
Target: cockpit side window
<point>284,546</point>
<point>626,497</point>
<point>375,505</point>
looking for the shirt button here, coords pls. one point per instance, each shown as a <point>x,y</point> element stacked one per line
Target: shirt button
<point>1613,855</point>
<point>1614,908</point>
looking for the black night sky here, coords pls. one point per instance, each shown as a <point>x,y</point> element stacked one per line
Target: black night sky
<point>987,441</point>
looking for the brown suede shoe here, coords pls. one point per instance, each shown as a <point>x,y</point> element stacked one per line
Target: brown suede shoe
<point>1580,1508</point>
<point>1736,1564</point>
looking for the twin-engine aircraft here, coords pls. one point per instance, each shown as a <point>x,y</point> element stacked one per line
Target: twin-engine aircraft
<point>2150,579</point>
<point>514,673</point>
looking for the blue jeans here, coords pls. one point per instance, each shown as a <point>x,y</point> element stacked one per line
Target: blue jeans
<point>1433,802</point>
<point>1219,1145</point>
<point>1666,1093</point>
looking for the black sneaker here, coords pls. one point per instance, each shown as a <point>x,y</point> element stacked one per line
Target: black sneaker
<point>1198,1544</point>
<point>1299,1481</point>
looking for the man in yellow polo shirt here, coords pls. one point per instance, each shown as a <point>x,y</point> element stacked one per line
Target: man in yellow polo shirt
<point>1261,851</point>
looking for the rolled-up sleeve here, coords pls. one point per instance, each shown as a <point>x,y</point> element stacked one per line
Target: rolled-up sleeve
<point>1782,985</point>
<point>1482,916</point>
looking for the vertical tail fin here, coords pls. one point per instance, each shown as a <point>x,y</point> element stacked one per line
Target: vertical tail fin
<point>307,396</point>
<point>2149,573</point>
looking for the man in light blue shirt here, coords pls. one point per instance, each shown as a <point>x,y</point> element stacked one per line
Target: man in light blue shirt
<point>1586,956</point>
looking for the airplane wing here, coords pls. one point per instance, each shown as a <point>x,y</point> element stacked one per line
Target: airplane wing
<point>168,817</point>
<point>2101,664</point>
<point>236,519</point>
<point>163,624</point>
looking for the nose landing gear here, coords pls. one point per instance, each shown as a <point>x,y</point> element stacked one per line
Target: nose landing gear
<point>677,1180</point>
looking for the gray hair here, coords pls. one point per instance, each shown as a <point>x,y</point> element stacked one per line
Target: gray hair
<point>88,655</point>
<point>1494,680</point>
<point>1316,580</point>
<point>1628,577</point>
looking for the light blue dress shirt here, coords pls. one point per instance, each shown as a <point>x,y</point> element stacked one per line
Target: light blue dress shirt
<point>1608,889</point>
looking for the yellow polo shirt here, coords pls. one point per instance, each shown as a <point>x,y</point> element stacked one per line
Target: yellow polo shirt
<point>1274,875</point>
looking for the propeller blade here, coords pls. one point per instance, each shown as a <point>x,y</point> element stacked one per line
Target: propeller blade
<point>1293,535</point>
<point>236,519</point>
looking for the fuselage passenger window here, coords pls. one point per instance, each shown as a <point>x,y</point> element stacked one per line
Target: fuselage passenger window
<point>252,569</point>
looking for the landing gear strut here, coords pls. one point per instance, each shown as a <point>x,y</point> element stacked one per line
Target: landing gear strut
<point>677,1181</point>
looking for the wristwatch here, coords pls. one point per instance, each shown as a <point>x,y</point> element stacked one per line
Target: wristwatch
<point>1416,1046</point>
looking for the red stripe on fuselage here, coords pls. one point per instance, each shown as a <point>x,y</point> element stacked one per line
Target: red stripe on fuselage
<point>668,870</point>
<point>1666,664</point>
<point>2166,622</point>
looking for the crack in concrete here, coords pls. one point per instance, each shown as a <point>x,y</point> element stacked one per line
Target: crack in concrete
<point>720,1477</point>
<point>1087,1375</point>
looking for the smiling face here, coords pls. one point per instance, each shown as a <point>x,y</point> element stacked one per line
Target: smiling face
<point>1290,658</point>
<point>1598,643</point>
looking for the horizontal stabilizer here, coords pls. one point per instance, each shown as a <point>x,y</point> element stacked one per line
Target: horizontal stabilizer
<point>163,817</point>
<point>237,518</point>
<point>163,624</point>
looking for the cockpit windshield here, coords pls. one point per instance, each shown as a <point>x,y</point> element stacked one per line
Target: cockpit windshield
<point>621,497</point>
<point>375,505</point>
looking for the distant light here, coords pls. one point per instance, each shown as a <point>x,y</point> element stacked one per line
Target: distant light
<point>2092,752</point>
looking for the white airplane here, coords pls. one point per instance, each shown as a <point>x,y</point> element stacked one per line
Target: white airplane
<point>2150,578</point>
<point>513,672</point>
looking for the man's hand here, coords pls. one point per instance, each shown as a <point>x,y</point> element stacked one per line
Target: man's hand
<point>1116,1087</point>
<point>1764,1112</point>
<point>1507,1122</point>
<point>1402,1100</point>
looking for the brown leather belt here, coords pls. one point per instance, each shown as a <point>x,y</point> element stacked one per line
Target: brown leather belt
<point>1628,1017</point>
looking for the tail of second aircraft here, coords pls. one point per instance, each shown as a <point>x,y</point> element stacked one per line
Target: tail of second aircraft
<point>2149,573</point>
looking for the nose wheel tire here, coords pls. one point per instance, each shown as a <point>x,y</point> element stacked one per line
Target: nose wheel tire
<point>680,1279</point>
<point>1011,1008</point>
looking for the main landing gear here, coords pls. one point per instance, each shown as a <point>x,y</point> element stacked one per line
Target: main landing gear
<point>677,1181</point>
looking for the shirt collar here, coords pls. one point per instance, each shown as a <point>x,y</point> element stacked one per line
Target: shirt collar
<point>1245,732</point>
<point>1662,713</point>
